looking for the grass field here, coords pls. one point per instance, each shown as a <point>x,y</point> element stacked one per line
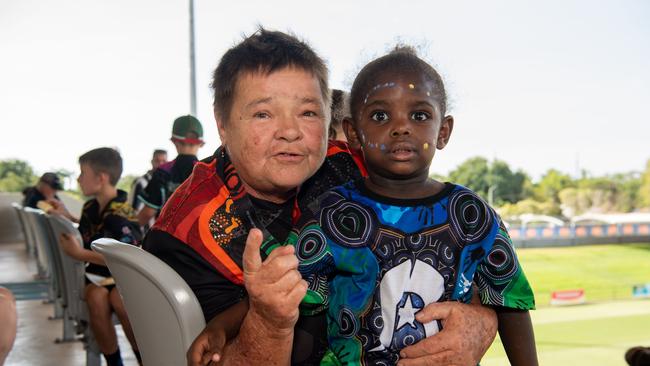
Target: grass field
<point>606,272</point>
<point>599,332</point>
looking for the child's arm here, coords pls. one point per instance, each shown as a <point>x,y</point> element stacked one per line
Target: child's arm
<point>211,343</point>
<point>59,208</point>
<point>517,336</point>
<point>72,248</point>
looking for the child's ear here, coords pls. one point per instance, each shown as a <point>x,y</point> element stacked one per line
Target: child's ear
<point>104,178</point>
<point>351,133</point>
<point>446,127</point>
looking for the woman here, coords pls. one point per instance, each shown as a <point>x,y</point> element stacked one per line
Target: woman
<point>271,106</point>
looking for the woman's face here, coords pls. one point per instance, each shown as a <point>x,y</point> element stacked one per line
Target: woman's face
<point>276,132</point>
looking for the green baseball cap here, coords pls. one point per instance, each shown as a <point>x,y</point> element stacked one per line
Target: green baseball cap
<point>187,129</point>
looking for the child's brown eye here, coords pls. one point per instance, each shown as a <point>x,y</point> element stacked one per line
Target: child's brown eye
<point>379,116</point>
<point>420,116</point>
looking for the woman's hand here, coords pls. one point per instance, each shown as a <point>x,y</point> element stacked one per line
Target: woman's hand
<point>275,287</point>
<point>468,331</point>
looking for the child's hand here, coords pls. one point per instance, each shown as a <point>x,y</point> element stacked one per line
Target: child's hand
<point>57,207</point>
<point>206,348</point>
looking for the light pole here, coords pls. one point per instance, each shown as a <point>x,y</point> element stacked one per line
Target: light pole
<point>490,194</point>
<point>192,63</point>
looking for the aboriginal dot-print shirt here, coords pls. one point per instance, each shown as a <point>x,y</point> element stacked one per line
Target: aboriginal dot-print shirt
<point>373,262</point>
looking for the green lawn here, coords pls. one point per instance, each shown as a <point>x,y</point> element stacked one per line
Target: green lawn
<point>599,332</point>
<point>599,335</point>
<point>606,272</point>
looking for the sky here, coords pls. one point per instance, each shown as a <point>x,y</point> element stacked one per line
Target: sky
<point>538,84</point>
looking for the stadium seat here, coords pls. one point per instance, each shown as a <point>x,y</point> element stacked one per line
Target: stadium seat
<point>27,233</point>
<point>164,313</point>
<point>47,257</point>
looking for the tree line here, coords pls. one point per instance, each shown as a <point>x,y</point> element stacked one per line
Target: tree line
<point>511,192</point>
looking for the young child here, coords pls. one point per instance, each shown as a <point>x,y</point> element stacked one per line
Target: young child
<point>339,109</point>
<point>187,136</point>
<point>378,250</point>
<point>107,214</point>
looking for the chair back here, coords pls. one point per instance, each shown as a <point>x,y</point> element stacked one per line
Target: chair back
<point>163,311</point>
<point>27,233</point>
<point>72,269</point>
<point>43,249</point>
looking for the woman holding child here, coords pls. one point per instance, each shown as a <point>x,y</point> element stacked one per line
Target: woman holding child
<point>223,229</point>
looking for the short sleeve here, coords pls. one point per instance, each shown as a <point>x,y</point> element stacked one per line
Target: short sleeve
<point>500,277</point>
<point>153,194</point>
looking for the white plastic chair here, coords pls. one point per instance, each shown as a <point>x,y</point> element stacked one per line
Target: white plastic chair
<point>24,225</point>
<point>47,257</point>
<point>163,311</point>
<point>75,314</point>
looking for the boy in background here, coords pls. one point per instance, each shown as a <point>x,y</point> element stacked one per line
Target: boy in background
<point>187,136</point>
<point>106,215</point>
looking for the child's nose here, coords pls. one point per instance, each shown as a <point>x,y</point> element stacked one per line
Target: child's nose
<point>400,130</point>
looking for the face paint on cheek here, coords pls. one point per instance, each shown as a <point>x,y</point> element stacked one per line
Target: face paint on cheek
<point>411,86</point>
<point>425,146</point>
<point>383,147</point>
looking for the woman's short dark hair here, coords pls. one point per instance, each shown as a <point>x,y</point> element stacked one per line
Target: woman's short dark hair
<point>264,51</point>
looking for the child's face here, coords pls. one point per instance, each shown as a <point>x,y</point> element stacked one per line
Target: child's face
<point>89,181</point>
<point>399,126</point>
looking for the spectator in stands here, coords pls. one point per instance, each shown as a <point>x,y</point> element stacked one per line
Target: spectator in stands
<point>106,215</point>
<point>187,136</point>
<point>44,191</point>
<point>8,321</point>
<point>159,158</point>
<point>638,356</point>
<point>340,108</point>
<point>271,105</point>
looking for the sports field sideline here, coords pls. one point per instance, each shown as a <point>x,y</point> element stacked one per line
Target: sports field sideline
<point>599,332</point>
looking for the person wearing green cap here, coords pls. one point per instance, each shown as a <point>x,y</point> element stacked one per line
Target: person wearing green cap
<point>187,136</point>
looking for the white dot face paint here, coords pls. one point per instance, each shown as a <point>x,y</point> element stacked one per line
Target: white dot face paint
<point>411,86</point>
<point>389,84</point>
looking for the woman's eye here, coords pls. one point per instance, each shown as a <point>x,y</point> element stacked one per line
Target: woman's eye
<point>261,115</point>
<point>310,114</point>
<point>379,116</point>
<point>420,116</point>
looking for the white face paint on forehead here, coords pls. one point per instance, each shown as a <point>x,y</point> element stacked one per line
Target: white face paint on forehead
<point>389,84</point>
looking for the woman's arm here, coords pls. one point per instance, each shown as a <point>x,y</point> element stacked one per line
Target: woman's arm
<point>517,336</point>
<point>275,289</point>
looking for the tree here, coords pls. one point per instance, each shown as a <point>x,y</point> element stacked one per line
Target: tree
<point>644,189</point>
<point>15,175</point>
<point>495,179</point>
<point>551,184</point>
<point>473,174</point>
<point>126,182</point>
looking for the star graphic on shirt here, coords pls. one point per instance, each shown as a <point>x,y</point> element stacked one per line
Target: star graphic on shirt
<point>406,313</point>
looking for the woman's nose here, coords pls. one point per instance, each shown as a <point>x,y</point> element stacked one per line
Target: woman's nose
<point>288,129</point>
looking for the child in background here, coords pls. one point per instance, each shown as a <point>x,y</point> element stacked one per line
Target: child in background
<point>378,250</point>
<point>106,215</point>
<point>340,109</point>
<point>187,136</point>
